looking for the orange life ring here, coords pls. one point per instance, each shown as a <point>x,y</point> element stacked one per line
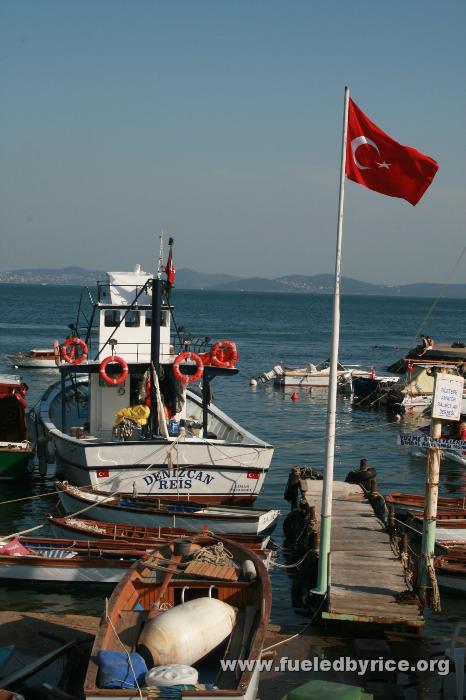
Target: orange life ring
<point>72,357</point>
<point>185,378</point>
<point>119,361</point>
<point>224,354</point>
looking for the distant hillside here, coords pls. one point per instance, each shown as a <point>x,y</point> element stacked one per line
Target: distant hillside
<point>191,279</point>
<point>185,278</point>
<point>323,284</point>
<point>65,275</point>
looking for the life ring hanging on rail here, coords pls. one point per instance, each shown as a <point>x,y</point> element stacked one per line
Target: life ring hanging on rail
<point>69,351</point>
<point>117,360</point>
<point>224,354</point>
<point>185,378</point>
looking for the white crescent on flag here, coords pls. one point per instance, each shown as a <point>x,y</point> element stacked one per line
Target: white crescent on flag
<point>360,141</point>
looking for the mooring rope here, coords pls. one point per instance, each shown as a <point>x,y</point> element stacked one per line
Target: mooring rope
<point>298,634</point>
<point>440,295</point>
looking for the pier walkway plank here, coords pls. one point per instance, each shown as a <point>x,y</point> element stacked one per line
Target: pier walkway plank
<point>366,579</point>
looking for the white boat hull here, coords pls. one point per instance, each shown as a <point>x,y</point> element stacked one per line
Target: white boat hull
<point>60,574</point>
<point>249,693</point>
<point>261,525</point>
<point>208,470</point>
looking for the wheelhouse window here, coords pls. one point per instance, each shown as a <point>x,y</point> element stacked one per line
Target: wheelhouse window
<point>112,317</point>
<point>164,317</point>
<point>132,319</point>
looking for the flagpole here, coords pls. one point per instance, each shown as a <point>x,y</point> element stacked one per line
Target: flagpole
<point>327,486</point>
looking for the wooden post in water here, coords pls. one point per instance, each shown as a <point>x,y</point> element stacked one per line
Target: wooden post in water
<point>430,506</point>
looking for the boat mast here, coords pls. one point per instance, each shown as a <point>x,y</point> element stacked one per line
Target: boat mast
<point>155,340</point>
<point>327,487</point>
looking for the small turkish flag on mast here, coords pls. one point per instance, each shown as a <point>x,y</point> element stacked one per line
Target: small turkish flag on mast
<point>377,161</point>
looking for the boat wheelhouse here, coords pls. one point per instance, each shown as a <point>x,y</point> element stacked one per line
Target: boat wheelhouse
<point>125,421</point>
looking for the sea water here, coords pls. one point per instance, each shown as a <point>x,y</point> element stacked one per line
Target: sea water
<point>267,328</point>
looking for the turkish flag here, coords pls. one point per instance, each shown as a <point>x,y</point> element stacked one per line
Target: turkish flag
<point>377,161</point>
<point>169,268</point>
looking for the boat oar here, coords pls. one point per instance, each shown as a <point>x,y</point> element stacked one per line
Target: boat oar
<point>172,566</point>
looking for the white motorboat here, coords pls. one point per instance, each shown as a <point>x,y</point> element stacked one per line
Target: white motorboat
<point>37,358</point>
<point>314,375</point>
<point>139,429</point>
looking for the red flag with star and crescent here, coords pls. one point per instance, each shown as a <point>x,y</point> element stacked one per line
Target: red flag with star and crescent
<point>377,161</point>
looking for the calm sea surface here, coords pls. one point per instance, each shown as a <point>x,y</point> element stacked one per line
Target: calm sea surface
<point>267,328</point>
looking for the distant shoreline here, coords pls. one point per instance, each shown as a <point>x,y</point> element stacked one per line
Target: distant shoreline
<point>288,292</point>
<point>186,278</point>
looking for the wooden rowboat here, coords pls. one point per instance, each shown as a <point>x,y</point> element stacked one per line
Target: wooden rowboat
<point>54,561</point>
<point>150,593</point>
<point>90,530</point>
<point>103,561</point>
<point>404,502</point>
<point>149,511</point>
<point>445,518</point>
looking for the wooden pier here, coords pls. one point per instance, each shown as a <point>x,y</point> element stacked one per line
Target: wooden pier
<point>366,579</point>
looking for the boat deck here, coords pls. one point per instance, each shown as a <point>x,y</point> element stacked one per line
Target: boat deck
<point>366,580</point>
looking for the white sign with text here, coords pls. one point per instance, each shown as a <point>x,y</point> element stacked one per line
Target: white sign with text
<point>448,397</point>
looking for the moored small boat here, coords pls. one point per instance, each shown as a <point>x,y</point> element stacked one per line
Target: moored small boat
<point>56,560</point>
<point>89,530</point>
<point>61,561</point>
<point>312,375</point>
<point>37,358</point>
<point>404,502</point>
<point>187,623</point>
<point>450,568</point>
<point>150,511</point>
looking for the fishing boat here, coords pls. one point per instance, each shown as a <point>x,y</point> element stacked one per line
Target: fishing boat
<point>37,358</point>
<point>178,622</point>
<point>15,448</point>
<point>89,530</point>
<point>125,420</point>
<point>151,511</point>
<point>414,390</point>
<point>101,561</point>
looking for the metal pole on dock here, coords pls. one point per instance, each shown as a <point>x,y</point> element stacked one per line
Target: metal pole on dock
<point>327,488</point>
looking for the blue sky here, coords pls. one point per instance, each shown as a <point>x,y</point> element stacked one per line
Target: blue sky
<point>220,122</point>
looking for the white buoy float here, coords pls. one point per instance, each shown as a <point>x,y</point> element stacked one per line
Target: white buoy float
<point>186,633</point>
<point>253,382</point>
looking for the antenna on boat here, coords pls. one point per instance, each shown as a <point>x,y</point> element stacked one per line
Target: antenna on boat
<point>159,268</point>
